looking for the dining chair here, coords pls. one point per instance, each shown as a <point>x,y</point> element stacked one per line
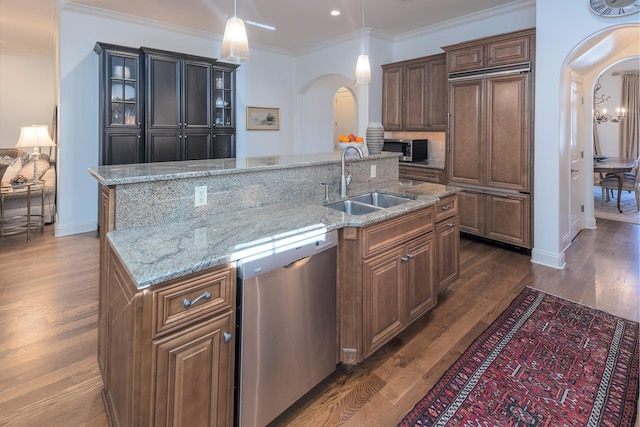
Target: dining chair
<point>630,182</point>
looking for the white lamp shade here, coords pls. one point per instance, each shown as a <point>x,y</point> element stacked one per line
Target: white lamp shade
<point>363,70</point>
<point>34,136</point>
<point>235,46</point>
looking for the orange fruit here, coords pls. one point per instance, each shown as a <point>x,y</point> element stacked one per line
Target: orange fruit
<point>359,139</point>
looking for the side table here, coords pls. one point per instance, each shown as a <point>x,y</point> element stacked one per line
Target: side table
<point>21,223</point>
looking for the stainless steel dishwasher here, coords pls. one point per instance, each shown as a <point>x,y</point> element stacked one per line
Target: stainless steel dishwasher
<point>286,327</point>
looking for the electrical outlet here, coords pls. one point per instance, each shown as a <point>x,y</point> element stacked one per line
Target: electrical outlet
<point>373,171</point>
<point>201,196</point>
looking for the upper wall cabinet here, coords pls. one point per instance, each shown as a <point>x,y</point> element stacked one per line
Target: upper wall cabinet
<point>414,94</point>
<point>484,53</point>
<point>164,106</point>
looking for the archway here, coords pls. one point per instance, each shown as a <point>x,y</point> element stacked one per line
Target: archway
<point>586,62</point>
<point>315,108</point>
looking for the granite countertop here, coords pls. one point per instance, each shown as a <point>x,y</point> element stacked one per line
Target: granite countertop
<point>155,254</point>
<point>163,171</point>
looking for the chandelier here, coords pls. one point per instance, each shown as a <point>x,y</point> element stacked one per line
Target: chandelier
<point>600,117</point>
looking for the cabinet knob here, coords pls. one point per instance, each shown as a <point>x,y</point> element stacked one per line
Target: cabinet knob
<point>410,256</point>
<point>446,208</point>
<point>449,225</point>
<point>227,337</point>
<point>404,259</point>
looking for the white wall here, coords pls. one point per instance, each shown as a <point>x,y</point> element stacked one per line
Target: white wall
<point>27,95</point>
<point>429,40</point>
<point>265,81</point>
<point>556,39</point>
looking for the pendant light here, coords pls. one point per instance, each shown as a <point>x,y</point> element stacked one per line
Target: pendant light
<point>235,45</point>
<point>363,69</point>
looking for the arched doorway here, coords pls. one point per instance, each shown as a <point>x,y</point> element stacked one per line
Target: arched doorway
<point>584,65</point>
<point>344,114</point>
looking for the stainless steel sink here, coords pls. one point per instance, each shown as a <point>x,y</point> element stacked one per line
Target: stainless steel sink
<point>353,207</point>
<point>382,200</point>
<point>367,203</point>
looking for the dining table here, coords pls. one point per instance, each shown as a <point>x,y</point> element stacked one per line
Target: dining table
<point>616,166</point>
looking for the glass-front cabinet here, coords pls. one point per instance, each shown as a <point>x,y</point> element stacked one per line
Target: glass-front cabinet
<point>157,106</point>
<point>223,97</point>
<point>121,118</point>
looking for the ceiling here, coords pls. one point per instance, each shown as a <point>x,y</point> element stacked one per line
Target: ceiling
<point>28,26</point>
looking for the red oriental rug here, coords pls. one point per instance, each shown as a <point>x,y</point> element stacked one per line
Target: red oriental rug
<point>545,361</point>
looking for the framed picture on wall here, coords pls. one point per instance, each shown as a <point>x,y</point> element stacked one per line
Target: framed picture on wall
<point>259,118</point>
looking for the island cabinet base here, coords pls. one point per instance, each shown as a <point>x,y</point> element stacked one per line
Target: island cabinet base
<point>169,349</point>
<point>387,281</point>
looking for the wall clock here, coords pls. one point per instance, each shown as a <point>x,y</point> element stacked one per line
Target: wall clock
<point>613,8</point>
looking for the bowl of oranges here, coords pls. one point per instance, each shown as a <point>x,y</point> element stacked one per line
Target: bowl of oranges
<point>350,140</point>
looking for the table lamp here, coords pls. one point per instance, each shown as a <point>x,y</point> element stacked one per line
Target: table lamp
<point>35,136</point>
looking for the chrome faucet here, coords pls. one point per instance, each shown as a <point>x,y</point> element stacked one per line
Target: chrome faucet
<point>346,180</point>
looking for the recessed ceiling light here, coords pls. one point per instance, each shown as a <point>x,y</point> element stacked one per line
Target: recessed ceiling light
<point>335,12</point>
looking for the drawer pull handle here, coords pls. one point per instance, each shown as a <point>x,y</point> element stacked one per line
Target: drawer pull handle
<point>450,225</point>
<point>227,337</point>
<point>410,256</point>
<point>188,303</point>
<point>404,259</point>
<point>446,207</point>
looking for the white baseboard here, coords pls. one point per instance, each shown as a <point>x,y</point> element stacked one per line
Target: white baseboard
<point>548,259</point>
<point>590,223</point>
<point>66,230</point>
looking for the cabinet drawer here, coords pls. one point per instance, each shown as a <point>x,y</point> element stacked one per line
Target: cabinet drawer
<point>396,230</point>
<point>446,207</point>
<point>421,174</point>
<point>192,298</point>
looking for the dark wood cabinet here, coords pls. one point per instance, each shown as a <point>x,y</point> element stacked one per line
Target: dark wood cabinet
<point>447,241</point>
<point>164,106</point>
<point>414,94</point>
<point>121,104</point>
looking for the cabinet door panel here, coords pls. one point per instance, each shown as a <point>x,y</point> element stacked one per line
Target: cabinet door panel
<point>448,235</point>
<point>383,299</point>
<point>466,160</point>
<point>194,372</point>
<point>197,146</point>
<point>470,58</point>
<point>437,87</point>
<point>163,94</point>
<point>507,140</point>
<point>414,96</point>
<point>163,147</point>
<point>508,219</point>
<point>224,145</point>
<point>121,148</point>
<point>471,210</point>
<point>392,98</point>
<point>197,95</point>
<point>509,51</point>
<point>421,275</point>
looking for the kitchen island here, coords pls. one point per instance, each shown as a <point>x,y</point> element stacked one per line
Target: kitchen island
<point>165,361</point>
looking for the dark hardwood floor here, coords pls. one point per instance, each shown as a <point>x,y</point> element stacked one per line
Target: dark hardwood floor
<point>48,319</point>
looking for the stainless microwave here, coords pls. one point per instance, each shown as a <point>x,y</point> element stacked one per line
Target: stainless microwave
<point>413,150</point>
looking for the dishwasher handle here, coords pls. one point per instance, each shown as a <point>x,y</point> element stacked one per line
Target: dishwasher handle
<point>297,264</point>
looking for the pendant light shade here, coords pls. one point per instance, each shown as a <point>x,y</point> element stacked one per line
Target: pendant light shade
<point>235,45</point>
<point>363,70</point>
